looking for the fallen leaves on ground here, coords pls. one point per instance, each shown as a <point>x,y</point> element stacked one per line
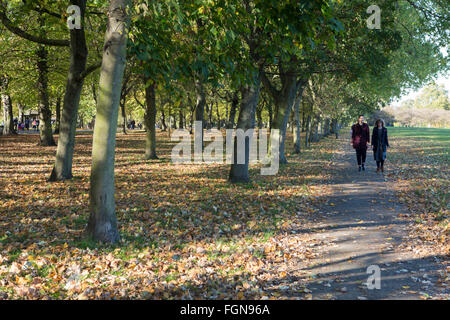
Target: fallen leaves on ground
<point>187,233</point>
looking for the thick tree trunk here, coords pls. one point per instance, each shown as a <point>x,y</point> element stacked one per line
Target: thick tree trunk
<point>45,114</point>
<point>246,120</point>
<point>67,127</point>
<point>8,120</point>
<point>150,121</point>
<point>284,102</point>
<point>102,224</point>
<point>58,115</point>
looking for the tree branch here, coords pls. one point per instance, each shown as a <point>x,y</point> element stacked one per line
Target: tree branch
<point>19,32</point>
<point>266,82</point>
<point>90,69</point>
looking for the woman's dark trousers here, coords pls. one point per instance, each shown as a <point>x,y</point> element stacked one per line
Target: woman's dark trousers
<point>361,156</point>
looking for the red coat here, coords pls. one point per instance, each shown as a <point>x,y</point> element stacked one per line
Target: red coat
<point>360,136</point>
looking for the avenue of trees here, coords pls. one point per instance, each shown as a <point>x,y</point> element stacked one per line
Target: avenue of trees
<point>305,66</point>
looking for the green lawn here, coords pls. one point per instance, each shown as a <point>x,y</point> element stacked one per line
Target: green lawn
<point>436,140</point>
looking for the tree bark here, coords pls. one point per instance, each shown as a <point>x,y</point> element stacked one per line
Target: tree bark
<point>180,120</point>
<point>21,112</point>
<point>58,114</point>
<point>150,121</point>
<point>67,127</point>
<point>218,116</point>
<point>8,121</point>
<point>246,120</point>
<point>284,101</point>
<point>297,145</point>
<point>259,115</point>
<point>45,114</point>
<point>308,130</point>
<point>234,104</point>
<point>124,117</point>
<point>102,224</point>
<point>315,134</point>
<point>163,120</point>
<point>200,105</point>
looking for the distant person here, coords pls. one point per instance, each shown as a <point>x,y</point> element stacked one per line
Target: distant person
<point>27,124</point>
<point>360,141</point>
<point>379,144</point>
<point>37,124</point>
<point>34,124</point>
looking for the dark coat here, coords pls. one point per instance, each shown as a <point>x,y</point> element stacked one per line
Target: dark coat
<point>379,146</point>
<point>360,136</point>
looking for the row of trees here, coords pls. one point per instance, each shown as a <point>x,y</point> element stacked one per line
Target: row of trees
<point>311,63</point>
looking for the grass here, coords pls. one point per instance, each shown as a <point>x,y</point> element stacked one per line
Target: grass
<point>420,159</point>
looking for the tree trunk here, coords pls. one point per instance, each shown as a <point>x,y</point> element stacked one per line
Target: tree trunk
<point>8,120</point>
<point>21,112</point>
<point>308,130</point>
<point>45,114</point>
<point>246,120</point>
<point>102,224</point>
<point>297,141</point>
<point>150,121</point>
<point>269,106</point>
<point>58,114</point>
<point>200,105</point>
<point>327,127</point>
<point>234,104</point>
<point>315,134</point>
<point>180,121</point>
<point>163,120</point>
<point>283,104</point>
<point>67,127</point>
<point>259,115</point>
<point>218,116</point>
<point>124,117</point>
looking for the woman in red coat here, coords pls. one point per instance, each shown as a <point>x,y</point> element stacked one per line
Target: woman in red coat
<point>360,141</point>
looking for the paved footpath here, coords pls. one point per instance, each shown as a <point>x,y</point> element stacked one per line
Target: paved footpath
<point>362,224</point>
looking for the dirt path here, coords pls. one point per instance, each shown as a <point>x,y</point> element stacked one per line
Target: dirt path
<point>363,225</point>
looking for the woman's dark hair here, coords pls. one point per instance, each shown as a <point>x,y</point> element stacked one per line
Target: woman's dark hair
<point>379,120</point>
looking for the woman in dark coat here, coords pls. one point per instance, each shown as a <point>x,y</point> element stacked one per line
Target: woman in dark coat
<point>360,141</point>
<point>379,144</point>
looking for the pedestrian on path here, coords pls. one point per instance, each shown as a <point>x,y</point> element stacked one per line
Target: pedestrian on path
<point>360,141</point>
<point>379,144</point>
